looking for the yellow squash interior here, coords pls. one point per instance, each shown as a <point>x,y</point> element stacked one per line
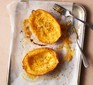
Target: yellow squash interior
<point>40,61</point>
<point>45,27</point>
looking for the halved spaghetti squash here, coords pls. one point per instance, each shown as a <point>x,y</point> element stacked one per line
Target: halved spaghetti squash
<point>40,61</point>
<point>44,26</point>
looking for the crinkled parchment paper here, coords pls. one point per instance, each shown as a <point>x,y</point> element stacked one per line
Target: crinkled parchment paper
<point>64,74</point>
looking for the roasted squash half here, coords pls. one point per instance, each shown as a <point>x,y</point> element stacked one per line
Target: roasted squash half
<point>44,26</point>
<point>40,61</point>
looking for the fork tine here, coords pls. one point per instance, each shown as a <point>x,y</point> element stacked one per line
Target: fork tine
<point>59,9</point>
<point>63,11</point>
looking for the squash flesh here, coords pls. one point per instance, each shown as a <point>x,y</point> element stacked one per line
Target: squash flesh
<point>44,26</point>
<point>40,61</point>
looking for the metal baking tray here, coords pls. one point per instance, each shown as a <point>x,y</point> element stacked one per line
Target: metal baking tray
<point>80,12</point>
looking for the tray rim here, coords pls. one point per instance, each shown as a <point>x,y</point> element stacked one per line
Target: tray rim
<point>82,44</point>
<point>12,40</point>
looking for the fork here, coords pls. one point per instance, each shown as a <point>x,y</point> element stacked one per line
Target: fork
<point>67,13</point>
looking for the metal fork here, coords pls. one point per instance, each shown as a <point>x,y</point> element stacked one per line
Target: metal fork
<point>67,13</point>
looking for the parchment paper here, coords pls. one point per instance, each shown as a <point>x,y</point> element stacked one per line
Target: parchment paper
<point>65,74</point>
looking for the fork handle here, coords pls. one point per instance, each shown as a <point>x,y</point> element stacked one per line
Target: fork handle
<point>85,61</point>
<point>87,24</point>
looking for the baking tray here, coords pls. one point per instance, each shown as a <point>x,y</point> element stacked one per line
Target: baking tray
<point>80,12</point>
